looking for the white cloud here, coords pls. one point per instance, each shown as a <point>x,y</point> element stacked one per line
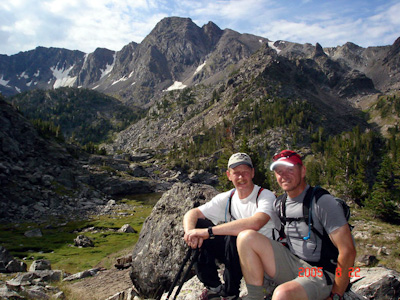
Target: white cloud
<point>85,24</point>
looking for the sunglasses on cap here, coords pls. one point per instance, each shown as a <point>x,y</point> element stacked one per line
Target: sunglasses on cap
<point>284,154</point>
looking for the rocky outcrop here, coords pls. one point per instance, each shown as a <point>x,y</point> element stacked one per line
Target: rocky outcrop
<point>33,284</point>
<point>8,264</point>
<point>377,283</point>
<point>160,240</point>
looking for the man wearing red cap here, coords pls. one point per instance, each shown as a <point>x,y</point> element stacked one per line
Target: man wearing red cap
<point>299,269</point>
<point>215,225</point>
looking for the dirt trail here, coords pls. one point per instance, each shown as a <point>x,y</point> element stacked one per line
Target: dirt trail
<point>105,284</point>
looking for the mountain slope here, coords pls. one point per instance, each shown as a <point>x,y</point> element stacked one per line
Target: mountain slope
<point>83,115</point>
<point>215,65</point>
<point>263,79</point>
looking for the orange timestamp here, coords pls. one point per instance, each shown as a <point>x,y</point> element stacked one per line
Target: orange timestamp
<point>353,272</point>
<point>319,272</point>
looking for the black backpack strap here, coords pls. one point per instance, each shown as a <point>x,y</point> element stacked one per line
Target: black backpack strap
<point>318,193</point>
<point>258,194</point>
<point>229,205</point>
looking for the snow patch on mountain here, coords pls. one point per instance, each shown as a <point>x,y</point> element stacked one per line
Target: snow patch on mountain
<point>4,82</point>
<point>271,45</point>
<point>62,78</point>
<point>23,75</point>
<point>120,80</point>
<point>199,68</point>
<point>108,68</point>
<point>176,86</point>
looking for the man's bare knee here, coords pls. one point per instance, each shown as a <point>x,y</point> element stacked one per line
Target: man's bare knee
<point>290,290</point>
<point>246,234</point>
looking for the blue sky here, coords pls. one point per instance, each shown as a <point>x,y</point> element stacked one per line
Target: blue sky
<point>87,24</point>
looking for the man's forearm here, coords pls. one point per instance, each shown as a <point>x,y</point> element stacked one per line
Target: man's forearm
<point>342,275</point>
<point>235,227</point>
<point>190,219</point>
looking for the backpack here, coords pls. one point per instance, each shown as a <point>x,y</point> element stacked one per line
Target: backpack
<point>229,204</point>
<point>329,252</point>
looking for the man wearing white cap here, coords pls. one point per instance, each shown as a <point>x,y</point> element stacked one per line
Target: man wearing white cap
<point>302,269</point>
<point>215,225</point>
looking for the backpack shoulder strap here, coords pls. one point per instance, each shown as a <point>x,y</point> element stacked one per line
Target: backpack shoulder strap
<point>318,192</point>
<point>281,202</point>
<point>229,205</point>
<point>313,192</point>
<point>258,194</point>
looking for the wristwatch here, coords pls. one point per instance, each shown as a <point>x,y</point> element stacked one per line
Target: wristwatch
<point>210,233</point>
<point>336,296</point>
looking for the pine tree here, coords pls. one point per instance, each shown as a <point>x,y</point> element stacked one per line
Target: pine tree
<point>383,198</point>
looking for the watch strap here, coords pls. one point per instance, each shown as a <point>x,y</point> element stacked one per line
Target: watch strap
<point>210,232</point>
<point>335,296</point>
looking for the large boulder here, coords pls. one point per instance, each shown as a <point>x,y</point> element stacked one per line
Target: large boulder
<point>160,249</point>
<point>8,264</point>
<point>377,283</point>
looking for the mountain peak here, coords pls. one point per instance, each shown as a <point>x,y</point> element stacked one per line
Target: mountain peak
<point>173,23</point>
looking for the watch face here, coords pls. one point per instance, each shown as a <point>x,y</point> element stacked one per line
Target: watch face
<point>336,297</point>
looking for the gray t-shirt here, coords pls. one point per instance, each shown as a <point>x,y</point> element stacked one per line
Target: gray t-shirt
<point>326,213</point>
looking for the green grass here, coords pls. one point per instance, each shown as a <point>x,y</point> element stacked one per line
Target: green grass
<point>57,241</point>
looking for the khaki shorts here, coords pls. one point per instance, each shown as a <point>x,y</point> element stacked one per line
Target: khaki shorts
<point>289,267</point>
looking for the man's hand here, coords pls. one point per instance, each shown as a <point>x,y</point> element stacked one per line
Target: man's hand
<point>195,237</point>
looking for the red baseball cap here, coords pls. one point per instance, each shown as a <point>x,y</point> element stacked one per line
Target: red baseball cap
<point>286,158</point>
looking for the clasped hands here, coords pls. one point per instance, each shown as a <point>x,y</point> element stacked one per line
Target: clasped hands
<point>194,238</point>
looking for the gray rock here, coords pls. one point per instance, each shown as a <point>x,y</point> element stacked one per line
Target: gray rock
<point>160,240</point>
<point>37,292</point>
<point>123,262</point>
<point>5,256</point>
<point>32,278</point>
<point>83,274</point>
<point>5,293</point>
<point>83,241</point>
<point>8,264</point>
<point>203,177</point>
<point>138,171</point>
<point>40,264</point>
<point>34,233</point>
<point>377,283</point>
<point>366,261</point>
<point>15,266</point>
<point>127,229</point>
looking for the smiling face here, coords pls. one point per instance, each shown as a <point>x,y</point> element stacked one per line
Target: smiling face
<point>242,178</point>
<point>291,179</point>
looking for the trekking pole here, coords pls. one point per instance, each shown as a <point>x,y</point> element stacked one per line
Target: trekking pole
<point>185,260</point>
<point>194,259</point>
